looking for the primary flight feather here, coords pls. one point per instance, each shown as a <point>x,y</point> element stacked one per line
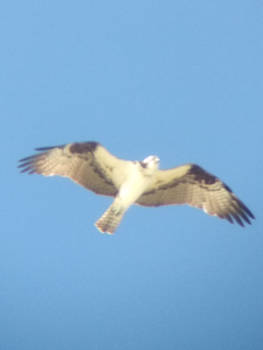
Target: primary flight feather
<point>140,182</point>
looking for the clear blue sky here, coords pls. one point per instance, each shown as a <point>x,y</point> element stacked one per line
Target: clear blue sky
<point>182,80</point>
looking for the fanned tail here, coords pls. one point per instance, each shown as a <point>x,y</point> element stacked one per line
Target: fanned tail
<point>111,219</point>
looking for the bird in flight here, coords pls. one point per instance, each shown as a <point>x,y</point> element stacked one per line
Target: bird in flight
<point>136,182</point>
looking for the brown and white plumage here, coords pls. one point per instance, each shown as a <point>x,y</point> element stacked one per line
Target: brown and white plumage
<point>92,166</point>
<point>190,184</point>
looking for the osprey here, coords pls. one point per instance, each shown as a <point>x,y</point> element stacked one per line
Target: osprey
<point>141,182</point>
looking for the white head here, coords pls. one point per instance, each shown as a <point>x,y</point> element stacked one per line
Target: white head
<point>151,162</point>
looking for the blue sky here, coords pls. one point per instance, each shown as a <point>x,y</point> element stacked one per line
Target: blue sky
<point>182,80</point>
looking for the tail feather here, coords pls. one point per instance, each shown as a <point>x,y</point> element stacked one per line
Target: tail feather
<point>111,219</point>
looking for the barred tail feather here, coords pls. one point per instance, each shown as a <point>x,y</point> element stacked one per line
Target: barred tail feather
<point>111,219</point>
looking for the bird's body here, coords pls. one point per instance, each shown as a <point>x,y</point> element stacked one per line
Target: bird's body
<point>140,182</point>
<point>138,179</point>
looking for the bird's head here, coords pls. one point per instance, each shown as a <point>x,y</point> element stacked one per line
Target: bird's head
<point>151,162</point>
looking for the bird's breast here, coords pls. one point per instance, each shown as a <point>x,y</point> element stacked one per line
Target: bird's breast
<point>134,186</point>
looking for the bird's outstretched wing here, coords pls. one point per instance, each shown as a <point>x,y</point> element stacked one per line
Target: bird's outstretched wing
<point>190,184</point>
<point>87,163</point>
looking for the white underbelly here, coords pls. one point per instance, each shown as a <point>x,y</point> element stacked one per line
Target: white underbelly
<point>133,188</point>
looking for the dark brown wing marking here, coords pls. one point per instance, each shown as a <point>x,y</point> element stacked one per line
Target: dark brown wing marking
<point>190,184</point>
<point>77,161</point>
